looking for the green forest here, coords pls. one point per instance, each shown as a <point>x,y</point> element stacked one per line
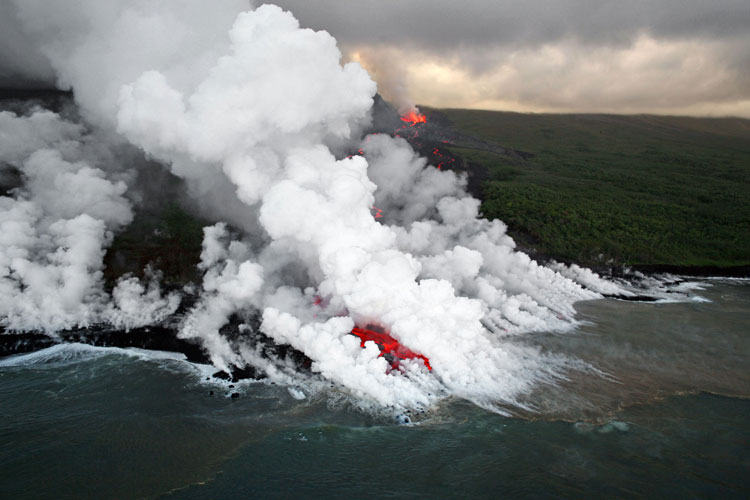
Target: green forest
<point>598,189</point>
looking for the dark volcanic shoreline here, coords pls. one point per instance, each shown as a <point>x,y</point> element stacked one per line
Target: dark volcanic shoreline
<point>164,337</point>
<point>156,338</point>
<point>694,271</point>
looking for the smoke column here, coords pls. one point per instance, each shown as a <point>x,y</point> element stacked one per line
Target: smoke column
<point>254,113</point>
<point>54,231</point>
<point>390,77</point>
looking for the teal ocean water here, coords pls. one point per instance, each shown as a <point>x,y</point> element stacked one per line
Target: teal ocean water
<point>662,413</point>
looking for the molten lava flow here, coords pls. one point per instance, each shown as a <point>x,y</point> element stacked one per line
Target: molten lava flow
<point>441,157</point>
<point>390,348</point>
<point>413,118</point>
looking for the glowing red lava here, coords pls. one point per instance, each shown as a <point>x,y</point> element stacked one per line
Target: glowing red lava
<point>441,157</point>
<point>390,348</point>
<point>413,118</point>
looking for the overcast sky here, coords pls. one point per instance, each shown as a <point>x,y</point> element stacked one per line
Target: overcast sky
<point>665,56</point>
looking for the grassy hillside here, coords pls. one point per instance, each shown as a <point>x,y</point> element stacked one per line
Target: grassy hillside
<point>636,189</point>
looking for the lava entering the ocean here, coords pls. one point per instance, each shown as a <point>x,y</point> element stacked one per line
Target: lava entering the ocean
<point>413,118</point>
<point>390,348</point>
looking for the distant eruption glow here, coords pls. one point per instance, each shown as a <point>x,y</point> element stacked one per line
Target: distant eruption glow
<point>413,118</point>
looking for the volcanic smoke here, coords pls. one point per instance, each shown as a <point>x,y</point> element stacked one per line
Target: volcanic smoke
<point>256,115</point>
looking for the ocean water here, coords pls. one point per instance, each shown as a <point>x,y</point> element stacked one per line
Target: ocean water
<point>660,410</point>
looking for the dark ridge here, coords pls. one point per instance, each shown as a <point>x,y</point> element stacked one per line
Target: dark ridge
<point>40,94</point>
<point>385,117</point>
<point>434,138</point>
<point>440,128</point>
<point>10,179</point>
<point>19,100</point>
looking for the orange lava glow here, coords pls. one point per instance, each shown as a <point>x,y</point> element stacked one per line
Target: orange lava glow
<point>413,118</point>
<point>390,348</point>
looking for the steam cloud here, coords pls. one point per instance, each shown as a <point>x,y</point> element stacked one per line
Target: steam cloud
<point>255,114</point>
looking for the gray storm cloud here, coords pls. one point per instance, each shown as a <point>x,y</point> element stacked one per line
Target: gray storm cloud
<point>445,24</point>
<point>22,63</point>
<point>674,56</point>
<point>670,56</point>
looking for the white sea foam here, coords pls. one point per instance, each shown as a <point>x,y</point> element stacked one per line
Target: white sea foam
<point>76,352</point>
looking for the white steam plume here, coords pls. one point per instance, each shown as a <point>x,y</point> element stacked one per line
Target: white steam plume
<point>390,75</point>
<point>54,230</point>
<point>248,100</point>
